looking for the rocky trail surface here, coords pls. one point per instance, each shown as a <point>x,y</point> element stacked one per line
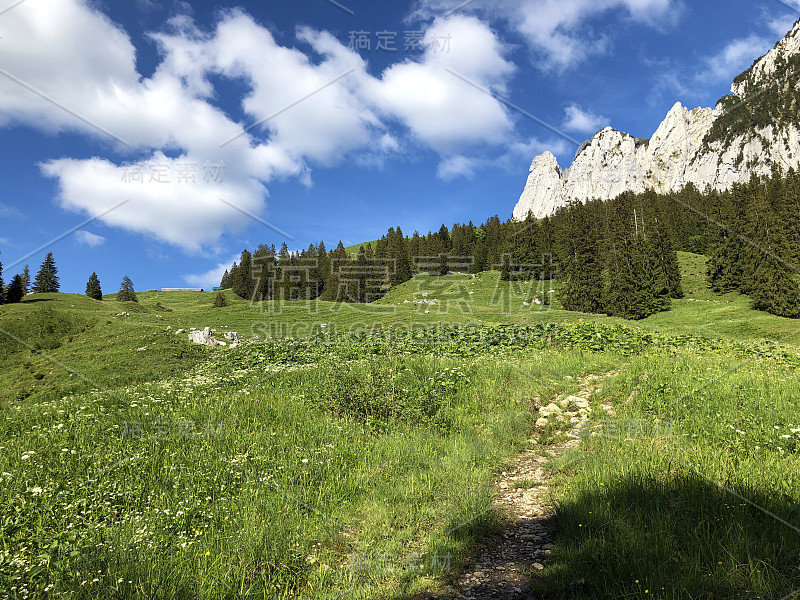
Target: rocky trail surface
<point>503,563</point>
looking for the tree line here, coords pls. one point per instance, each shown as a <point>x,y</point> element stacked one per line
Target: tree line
<point>47,281</point>
<point>616,257</point>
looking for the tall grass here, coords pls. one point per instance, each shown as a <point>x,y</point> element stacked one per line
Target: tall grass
<point>289,482</point>
<point>706,508</point>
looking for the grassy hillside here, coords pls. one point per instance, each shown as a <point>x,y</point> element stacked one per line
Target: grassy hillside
<point>353,250</point>
<point>89,338</point>
<point>312,464</point>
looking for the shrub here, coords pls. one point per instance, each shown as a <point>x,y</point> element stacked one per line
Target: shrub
<point>220,300</point>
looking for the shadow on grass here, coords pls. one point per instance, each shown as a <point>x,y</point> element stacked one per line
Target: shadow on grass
<point>677,536</point>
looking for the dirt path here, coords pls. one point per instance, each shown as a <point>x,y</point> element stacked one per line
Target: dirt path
<point>525,543</point>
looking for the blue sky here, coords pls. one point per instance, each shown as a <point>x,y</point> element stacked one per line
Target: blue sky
<point>167,136</point>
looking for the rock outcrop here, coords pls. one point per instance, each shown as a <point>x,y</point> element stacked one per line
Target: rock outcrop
<point>206,337</point>
<point>749,132</point>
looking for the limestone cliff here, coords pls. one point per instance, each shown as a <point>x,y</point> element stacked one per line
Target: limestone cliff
<point>749,132</point>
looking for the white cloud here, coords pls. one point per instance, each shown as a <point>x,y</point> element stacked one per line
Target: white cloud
<point>534,146</point>
<point>442,110</point>
<point>459,166</point>
<point>707,73</point>
<point>10,212</point>
<point>315,107</point>
<point>734,58</point>
<point>517,155</point>
<point>194,217</point>
<point>4,241</point>
<point>558,31</point>
<point>577,119</point>
<point>89,239</point>
<point>780,26</point>
<point>210,278</point>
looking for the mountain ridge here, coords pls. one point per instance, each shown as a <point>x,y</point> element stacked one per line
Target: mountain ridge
<point>748,132</point>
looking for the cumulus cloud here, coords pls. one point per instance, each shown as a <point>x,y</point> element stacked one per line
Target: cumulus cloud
<point>558,31</point>
<point>194,215</point>
<point>432,98</point>
<point>88,238</point>
<point>582,121</point>
<point>71,69</point>
<point>210,278</point>
<point>459,166</point>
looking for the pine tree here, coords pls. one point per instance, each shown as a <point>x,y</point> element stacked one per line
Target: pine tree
<point>242,282</point>
<point>47,278</point>
<point>15,291</point>
<point>26,280</point>
<point>444,266</point>
<point>505,268</point>
<point>220,301</point>
<point>397,251</point>
<point>580,252</point>
<point>93,287</point>
<point>776,290</point>
<point>334,290</point>
<point>126,291</point>
<point>667,261</point>
<point>661,239</point>
<point>444,238</point>
<point>264,272</point>
<point>2,287</point>
<point>772,287</point>
<point>323,268</point>
<point>635,286</point>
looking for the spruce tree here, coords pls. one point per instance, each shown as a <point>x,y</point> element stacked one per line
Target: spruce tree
<point>323,268</point>
<point>505,268</point>
<point>2,290</point>
<point>444,266</point>
<point>242,282</point>
<point>93,287</point>
<point>776,290</point>
<point>772,287</point>
<point>220,301</point>
<point>661,239</point>
<point>26,280</point>
<point>15,291</point>
<point>398,251</point>
<point>582,267</point>
<point>336,291</point>
<point>126,291</point>
<point>444,238</point>
<point>47,278</point>
<point>635,286</point>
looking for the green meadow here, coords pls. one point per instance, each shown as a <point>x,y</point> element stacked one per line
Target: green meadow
<point>349,451</point>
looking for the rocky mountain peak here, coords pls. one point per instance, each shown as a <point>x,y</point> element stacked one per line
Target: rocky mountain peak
<point>748,132</point>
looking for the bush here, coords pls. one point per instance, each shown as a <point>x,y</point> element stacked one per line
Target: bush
<point>220,300</point>
<point>379,394</point>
